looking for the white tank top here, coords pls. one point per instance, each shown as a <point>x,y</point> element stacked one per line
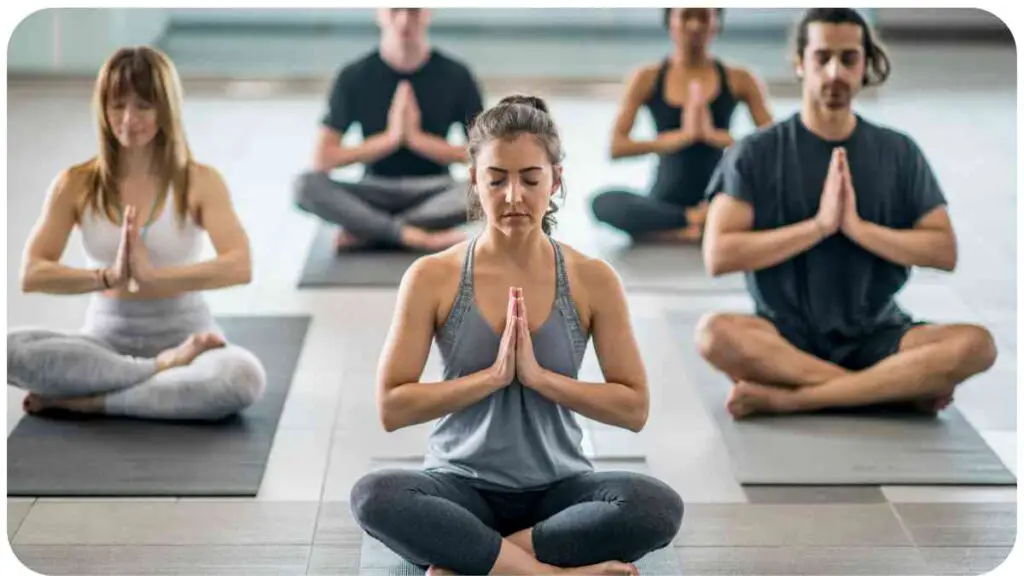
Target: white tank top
<point>168,241</point>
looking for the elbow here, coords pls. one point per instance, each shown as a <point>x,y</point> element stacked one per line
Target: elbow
<point>28,280</point>
<point>714,263</point>
<point>617,150</point>
<point>389,419</point>
<point>638,416</point>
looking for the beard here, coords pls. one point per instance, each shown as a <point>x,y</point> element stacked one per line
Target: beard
<point>836,95</point>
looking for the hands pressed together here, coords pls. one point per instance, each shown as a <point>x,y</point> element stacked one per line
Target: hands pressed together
<point>515,355</point>
<point>838,208</point>
<point>404,115</point>
<point>696,122</point>
<point>131,266</point>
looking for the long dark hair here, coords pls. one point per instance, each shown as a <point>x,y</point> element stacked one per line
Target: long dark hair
<point>878,67</point>
<point>514,115</point>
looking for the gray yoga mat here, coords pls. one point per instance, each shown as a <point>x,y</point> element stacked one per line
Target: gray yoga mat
<point>326,267</point>
<point>850,447</point>
<point>375,558</point>
<point>667,268</point>
<point>64,456</point>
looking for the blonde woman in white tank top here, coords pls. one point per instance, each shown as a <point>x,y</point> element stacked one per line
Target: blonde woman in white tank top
<point>150,347</point>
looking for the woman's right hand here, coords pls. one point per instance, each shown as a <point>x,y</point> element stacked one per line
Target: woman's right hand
<point>119,272</point>
<point>504,367</point>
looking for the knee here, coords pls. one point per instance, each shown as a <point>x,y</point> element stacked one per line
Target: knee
<point>657,511</point>
<point>369,499</point>
<point>974,351</point>
<point>246,378</point>
<point>607,207</point>
<point>302,187</point>
<point>714,335</point>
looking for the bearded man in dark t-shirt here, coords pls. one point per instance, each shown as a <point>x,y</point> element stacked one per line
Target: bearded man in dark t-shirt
<point>405,96</point>
<point>826,213</point>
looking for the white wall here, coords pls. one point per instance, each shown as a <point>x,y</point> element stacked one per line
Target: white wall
<point>78,40</point>
<point>939,18</point>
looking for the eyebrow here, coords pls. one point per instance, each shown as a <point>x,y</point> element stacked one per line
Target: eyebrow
<point>503,171</point>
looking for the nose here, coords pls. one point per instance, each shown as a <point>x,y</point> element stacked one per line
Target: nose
<point>513,194</point>
<point>832,68</point>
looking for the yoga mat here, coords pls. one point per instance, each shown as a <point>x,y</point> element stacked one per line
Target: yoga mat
<point>667,268</point>
<point>849,447</point>
<point>364,267</point>
<point>54,456</point>
<point>375,558</point>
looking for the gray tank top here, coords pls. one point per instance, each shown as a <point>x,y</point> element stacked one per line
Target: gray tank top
<point>514,439</point>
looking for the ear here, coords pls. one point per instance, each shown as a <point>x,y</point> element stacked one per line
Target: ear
<point>799,66</point>
<point>556,176</point>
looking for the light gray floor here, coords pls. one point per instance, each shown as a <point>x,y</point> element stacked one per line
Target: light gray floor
<point>329,434</point>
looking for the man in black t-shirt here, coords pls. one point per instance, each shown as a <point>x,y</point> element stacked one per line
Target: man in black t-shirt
<point>826,213</point>
<point>405,96</point>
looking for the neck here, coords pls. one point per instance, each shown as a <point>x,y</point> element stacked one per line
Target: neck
<point>692,58</point>
<point>828,123</point>
<point>404,56</point>
<point>522,249</point>
<point>135,162</point>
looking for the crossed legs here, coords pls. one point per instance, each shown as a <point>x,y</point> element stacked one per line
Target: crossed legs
<point>773,375</point>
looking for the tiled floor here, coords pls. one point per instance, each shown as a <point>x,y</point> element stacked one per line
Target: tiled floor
<point>329,435</point>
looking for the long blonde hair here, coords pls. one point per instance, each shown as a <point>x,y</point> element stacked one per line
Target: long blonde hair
<point>151,75</point>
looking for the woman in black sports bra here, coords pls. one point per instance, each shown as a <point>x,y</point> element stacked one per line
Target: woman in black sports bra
<point>691,96</point>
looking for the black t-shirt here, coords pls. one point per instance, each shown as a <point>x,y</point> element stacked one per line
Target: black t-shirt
<point>837,289</point>
<point>446,94</point>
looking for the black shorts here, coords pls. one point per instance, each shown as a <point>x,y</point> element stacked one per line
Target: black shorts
<point>849,353</point>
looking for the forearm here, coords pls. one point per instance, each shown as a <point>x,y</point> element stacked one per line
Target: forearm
<point>229,269</point>
<point>925,248</point>
<point>719,139</point>
<point>418,402</point>
<point>54,278</point>
<point>608,402</point>
<point>749,251</point>
<point>664,143</point>
<point>437,149</point>
<point>369,150</point>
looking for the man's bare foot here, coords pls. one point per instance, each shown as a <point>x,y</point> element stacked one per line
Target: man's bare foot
<point>749,398</point>
<point>435,571</point>
<point>343,241</point>
<point>187,351</point>
<point>610,568</point>
<point>933,405</point>
<point>34,404</point>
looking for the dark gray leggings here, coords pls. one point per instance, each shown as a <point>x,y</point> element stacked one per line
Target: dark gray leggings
<point>637,214</point>
<point>375,209</point>
<point>434,518</point>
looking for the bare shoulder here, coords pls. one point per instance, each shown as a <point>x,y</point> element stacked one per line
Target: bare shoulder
<point>433,280</point>
<point>641,80</point>
<point>70,186</point>
<point>742,79</point>
<point>205,178</point>
<point>590,278</point>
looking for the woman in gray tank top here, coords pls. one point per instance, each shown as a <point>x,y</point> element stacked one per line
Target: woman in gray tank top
<point>506,486</point>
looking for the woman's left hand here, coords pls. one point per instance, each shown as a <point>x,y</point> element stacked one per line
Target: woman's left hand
<point>528,371</point>
<point>141,269</point>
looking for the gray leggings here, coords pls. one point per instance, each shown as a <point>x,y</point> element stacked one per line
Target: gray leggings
<point>113,356</point>
<point>375,209</point>
<point>636,214</point>
<point>436,518</point>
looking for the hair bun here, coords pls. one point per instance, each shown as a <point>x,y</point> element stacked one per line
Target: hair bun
<point>524,100</point>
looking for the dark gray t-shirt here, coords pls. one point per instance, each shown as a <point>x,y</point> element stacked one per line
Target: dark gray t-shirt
<point>837,289</point>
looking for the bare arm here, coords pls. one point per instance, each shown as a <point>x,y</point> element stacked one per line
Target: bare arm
<point>41,269</point>
<point>436,148</point>
<point>622,399</point>
<point>402,399</point>
<point>331,153</point>
<point>232,265</point>
<point>638,88</point>
<point>730,245</point>
<point>930,243</point>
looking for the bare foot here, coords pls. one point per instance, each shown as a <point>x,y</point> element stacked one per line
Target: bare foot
<point>749,398</point>
<point>610,568</point>
<point>698,214</point>
<point>34,404</point>
<point>686,235</point>
<point>187,351</point>
<point>435,571</point>
<point>444,239</point>
<point>343,241</point>
<point>933,405</point>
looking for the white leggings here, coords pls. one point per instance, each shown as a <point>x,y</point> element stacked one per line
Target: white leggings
<point>113,356</point>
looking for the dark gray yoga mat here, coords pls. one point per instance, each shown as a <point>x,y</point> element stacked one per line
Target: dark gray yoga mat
<point>667,268</point>
<point>848,448</point>
<point>63,456</point>
<point>326,267</point>
<point>377,559</point>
